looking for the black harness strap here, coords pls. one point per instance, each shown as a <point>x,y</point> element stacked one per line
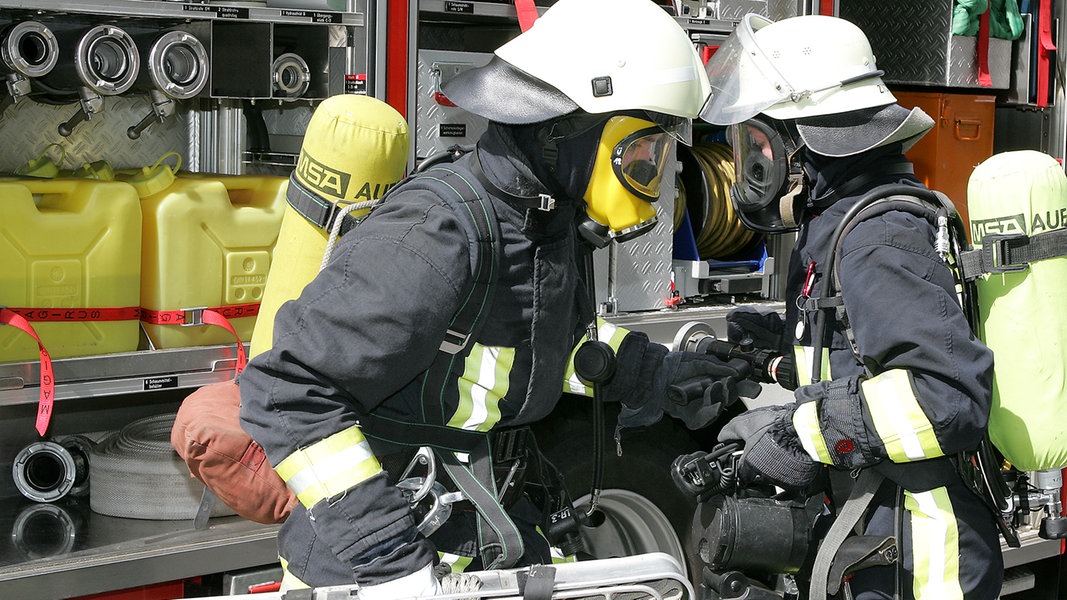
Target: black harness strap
<point>499,541</point>
<point>478,217</point>
<point>315,209</point>
<point>1012,252</point>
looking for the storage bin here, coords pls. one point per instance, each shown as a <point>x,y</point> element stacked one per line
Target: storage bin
<point>913,43</point>
<point>961,139</point>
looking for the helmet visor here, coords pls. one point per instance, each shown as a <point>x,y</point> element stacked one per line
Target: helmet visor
<point>744,82</point>
<point>639,160</point>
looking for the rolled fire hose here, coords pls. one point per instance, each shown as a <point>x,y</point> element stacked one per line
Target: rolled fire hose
<point>136,474</point>
<point>719,233</point>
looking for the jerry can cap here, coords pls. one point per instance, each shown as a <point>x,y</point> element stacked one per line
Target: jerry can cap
<point>156,178</point>
<point>44,166</point>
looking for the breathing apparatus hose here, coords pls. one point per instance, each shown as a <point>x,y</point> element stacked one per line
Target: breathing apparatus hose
<point>722,233</point>
<point>883,199</point>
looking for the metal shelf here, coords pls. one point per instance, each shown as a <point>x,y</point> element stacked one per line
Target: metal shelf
<point>123,373</point>
<point>240,11</point>
<point>59,551</point>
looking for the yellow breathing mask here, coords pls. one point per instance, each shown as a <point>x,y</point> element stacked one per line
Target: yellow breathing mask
<point>625,180</point>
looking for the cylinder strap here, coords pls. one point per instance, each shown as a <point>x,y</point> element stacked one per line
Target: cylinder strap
<point>48,380</point>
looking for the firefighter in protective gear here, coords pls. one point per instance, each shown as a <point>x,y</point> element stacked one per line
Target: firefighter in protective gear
<point>356,348</point>
<point>814,129</point>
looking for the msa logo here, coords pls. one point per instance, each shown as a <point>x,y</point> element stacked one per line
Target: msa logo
<point>1005,225</point>
<point>322,178</point>
<point>327,181</point>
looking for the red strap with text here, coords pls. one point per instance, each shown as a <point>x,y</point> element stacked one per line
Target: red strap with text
<point>527,11</point>
<point>48,381</point>
<point>218,316</point>
<point>1045,46</point>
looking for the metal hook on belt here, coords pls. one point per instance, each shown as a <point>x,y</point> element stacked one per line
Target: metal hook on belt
<point>424,456</point>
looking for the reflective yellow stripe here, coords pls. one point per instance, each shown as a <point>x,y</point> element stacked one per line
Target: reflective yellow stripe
<point>898,419</point>
<point>458,563</point>
<point>329,467</point>
<point>483,383</point>
<point>935,545</point>
<point>806,422</point>
<point>606,332</point>
<point>290,581</point>
<point>803,359</point>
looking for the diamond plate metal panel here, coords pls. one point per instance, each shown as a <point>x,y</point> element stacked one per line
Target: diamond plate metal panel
<point>28,127</point>
<point>438,126</point>
<point>913,43</point>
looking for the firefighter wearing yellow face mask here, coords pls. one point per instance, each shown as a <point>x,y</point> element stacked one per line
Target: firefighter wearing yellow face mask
<point>584,111</point>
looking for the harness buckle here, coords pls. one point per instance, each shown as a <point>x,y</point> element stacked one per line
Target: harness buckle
<point>995,249</point>
<point>546,202</point>
<point>454,341</point>
<point>192,316</point>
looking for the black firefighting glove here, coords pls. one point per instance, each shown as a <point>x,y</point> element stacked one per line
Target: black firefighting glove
<point>764,326</point>
<point>690,386</point>
<point>772,452</point>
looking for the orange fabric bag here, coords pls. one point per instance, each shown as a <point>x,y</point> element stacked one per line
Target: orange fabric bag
<point>207,435</point>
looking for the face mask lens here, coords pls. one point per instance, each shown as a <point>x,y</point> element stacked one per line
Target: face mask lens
<point>639,161</point>
<point>763,167</point>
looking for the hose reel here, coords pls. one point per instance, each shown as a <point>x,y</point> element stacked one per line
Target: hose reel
<point>705,180</point>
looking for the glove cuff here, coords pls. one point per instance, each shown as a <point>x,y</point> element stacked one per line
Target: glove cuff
<point>832,428</point>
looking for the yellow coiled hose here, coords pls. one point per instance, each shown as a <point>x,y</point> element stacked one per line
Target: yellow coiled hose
<point>705,193</point>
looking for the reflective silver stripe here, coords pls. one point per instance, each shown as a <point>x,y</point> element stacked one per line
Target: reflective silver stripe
<point>804,359</point>
<point>806,422</point>
<point>935,545</point>
<point>455,561</point>
<point>899,420</point>
<point>484,382</point>
<point>329,467</point>
<point>290,581</point>
<point>605,332</point>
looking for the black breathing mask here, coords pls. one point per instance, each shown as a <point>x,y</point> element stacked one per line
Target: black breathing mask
<point>770,192</point>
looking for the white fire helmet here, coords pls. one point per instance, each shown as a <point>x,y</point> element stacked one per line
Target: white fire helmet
<point>795,68</point>
<point>601,56</point>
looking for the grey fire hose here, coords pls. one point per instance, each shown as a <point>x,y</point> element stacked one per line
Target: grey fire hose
<point>136,474</point>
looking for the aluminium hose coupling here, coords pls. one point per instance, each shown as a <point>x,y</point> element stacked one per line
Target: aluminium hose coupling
<point>28,48</point>
<point>177,63</point>
<point>106,60</point>
<point>49,470</point>
<point>291,74</point>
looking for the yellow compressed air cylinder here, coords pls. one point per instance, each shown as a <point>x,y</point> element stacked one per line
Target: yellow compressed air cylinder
<point>355,149</point>
<point>1021,312</point>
